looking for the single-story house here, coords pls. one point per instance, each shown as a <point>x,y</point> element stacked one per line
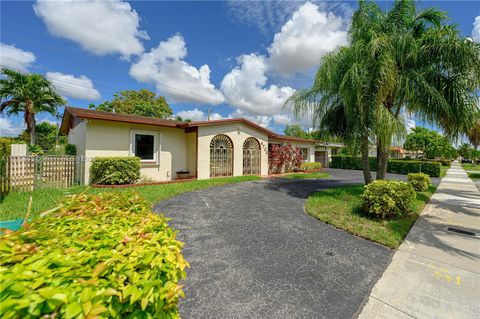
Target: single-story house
<point>227,147</point>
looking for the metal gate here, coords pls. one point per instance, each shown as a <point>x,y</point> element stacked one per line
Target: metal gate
<point>251,157</point>
<point>221,156</point>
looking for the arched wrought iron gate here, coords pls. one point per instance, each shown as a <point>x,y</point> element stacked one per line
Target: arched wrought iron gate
<point>221,156</point>
<point>251,157</point>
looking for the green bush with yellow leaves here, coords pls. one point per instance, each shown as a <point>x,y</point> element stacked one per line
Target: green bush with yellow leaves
<point>97,256</point>
<point>310,166</point>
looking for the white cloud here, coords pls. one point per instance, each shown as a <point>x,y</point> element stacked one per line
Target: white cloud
<point>265,15</point>
<point>244,87</point>
<point>12,57</point>
<point>282,119</point>
<point>99,26</point>
<point>7,128</point>
<point>410,125</point>
<point>198,115</point>
<point>164,66</point>
<point>262,120</point>
<point>75,87</point>
<point>306,38</point>
<point>476,29</point>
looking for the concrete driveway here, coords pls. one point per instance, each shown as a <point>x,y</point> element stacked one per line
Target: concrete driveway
<point>254,253</point>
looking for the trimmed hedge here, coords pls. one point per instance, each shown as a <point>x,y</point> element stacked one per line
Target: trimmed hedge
<point>114,170</point>
<point>99,256</point>
<point>308,166</point>
<point>351,162</point>
<point>432,169</point>
<point>396,166</point>
<point>387,198</point>
<point>419,181</point>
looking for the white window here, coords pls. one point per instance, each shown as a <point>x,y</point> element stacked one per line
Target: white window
<point>144,144</point>
<point>304,151</point>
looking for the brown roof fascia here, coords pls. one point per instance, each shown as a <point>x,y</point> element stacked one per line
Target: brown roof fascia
<point>227,121</point>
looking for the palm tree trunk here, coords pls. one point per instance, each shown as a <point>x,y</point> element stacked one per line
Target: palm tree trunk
<point>30,122</point>
<point>383,154</point>
<point>367,174</point>
<point>475,155</point>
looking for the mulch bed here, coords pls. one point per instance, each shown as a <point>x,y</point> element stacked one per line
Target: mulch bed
<point>144,184</point>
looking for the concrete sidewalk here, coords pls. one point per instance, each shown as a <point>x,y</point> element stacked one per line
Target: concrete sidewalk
<point>435,273</point>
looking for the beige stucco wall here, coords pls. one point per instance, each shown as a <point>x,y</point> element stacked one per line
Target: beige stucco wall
<point>105,138</point>
<point>77,136</point>
<point>191,145</point>
<point>238,133</point>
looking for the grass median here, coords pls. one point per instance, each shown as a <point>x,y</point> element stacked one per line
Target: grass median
<point>14,205</point>
<point>471,167</point>
<point>340,207</point>
<point>307,175</point>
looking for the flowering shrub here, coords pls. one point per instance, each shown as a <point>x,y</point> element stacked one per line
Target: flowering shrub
<point>283,159</point>
<point>99,256</point>
<point>384,198</point>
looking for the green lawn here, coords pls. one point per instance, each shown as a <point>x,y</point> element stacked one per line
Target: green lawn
<point>443,171</point>
<point>470,167</point>
<point>14,205</point>
<point>307,175</point>
<point>339,207</point>
<point>474,176</point>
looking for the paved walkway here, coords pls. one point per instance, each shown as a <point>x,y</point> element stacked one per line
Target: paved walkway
<point>436,272</point>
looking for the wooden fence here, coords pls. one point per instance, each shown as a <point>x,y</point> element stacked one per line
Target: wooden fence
<point>26,173</point>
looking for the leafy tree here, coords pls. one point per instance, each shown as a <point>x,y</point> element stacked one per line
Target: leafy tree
<point>28,94</point>
<point>47,136</point>
<point>417,139</point>
<point>137,102</point>
<point>430,142</point>
<point>464,150</point>
<point>473,135</point>
<point>399,61</point>
<point>296,130</point>
<point>181,119</point>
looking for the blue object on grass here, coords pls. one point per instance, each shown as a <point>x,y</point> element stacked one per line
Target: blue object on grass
<point>11,224</point>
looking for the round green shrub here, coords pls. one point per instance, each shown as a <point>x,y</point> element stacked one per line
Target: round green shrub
<point>114,170</point>
<point>70,149</point>
<point>308,166</point>
<point>419,181</point>
<point>99,256</point>
<point>384,198</point>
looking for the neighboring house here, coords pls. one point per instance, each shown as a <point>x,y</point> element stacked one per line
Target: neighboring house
<point>228,147</point>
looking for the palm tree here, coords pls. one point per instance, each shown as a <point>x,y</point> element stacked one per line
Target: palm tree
<point>424,67</point>
<point>473,135</point>
<point>398,62</point>
<point>28,94</point>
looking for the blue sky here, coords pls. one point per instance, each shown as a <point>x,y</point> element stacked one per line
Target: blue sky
<point>236,58</point>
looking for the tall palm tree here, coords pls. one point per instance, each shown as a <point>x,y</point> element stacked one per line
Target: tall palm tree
<point>398,62</point>
<point>338,98</point>
<point>473,135</point>
<point>28,94</point>
<point>425,67</point>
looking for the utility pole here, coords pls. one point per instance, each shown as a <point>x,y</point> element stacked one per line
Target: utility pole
<point>209,112</point>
